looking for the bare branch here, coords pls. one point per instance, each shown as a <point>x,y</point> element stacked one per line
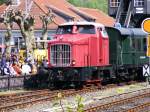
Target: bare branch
<point>46,20</point>
<point>7,20</point>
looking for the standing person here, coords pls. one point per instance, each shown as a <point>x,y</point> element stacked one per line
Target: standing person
<point>16,68</point>
<point>45,62</point>
<point>26,69</point>
<point>13,57</point>
<point>0,59</point>
<point>34,69</point>
<point>1,64</point>
<point>12,71</point>
<point>6,69</point>
<point>3,61</point>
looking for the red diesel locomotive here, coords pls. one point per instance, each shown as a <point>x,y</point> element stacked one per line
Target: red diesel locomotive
<point>80,44</point>
<point>76,49</point>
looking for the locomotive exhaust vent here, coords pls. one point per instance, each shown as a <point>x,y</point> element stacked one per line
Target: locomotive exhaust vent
<point>60,55</point>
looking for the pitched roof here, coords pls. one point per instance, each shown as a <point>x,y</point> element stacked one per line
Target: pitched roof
<point>62,10</point>
<point>101,16</point>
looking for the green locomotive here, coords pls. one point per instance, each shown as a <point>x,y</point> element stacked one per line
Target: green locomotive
<point>128,48</point>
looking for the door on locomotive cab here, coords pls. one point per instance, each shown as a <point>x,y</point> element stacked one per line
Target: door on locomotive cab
<point>80,55</point>
<point>103,47</point>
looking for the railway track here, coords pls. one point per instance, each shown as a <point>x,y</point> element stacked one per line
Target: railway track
<point>22,100</point>
<point>12,102</point>
<point>128,102</point>
<point>28,94</point>
<point>6,96</point>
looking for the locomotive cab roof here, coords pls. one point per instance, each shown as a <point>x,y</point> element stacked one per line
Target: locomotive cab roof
<point>82,23</point>
<point>130,32</point>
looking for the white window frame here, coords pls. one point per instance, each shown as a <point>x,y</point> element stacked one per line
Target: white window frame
<point>114,3</point>
<point>138,3</point>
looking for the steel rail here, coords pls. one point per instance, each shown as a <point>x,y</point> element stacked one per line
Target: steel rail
<point>138,107</point>
<point>116,102</point>
<point>49,97</point>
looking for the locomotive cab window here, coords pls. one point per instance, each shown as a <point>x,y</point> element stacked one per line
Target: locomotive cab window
<point>103,32</point>
<point>81,29</point>
<point>64,29</point>
<point>86,29</point>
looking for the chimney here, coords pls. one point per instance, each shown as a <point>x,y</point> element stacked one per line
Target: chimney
<point>15,2</point>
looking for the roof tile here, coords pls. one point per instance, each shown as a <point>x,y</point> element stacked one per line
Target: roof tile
<point>101,16</point>
<point>41,7</point>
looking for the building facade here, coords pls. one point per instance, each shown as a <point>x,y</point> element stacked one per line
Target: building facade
<point>130,13</point>
<point>62,10</point>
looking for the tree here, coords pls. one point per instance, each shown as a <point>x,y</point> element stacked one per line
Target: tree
<point>2,1</point>
<point>26,25</point>
<point>46,20</point>
<point>7,19</point>
<point>97,4</point>
<point>7,2</point>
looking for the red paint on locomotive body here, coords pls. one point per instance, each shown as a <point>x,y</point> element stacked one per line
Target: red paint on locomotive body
<point>79,44</point>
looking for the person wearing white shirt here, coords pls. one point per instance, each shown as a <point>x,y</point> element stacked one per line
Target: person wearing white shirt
<point>26,69</point>
<point>6,69</point>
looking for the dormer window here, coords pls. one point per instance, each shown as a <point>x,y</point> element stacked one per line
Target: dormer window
<point>114,3</point>
<point>15,2</point>
<point>138,3</point>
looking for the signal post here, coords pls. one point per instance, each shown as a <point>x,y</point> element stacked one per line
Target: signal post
<point>146,28</point>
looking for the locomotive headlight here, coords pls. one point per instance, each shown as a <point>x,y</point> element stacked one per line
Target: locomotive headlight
<point>73,62</point>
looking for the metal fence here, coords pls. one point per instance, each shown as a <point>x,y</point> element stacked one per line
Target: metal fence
<point>13,82</point>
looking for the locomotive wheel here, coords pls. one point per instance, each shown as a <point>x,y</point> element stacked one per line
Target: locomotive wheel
<point>42,77</point>
<point>78,79</point>
<point>52,79</point>
<point>78,82</point>
<point>72,78</point>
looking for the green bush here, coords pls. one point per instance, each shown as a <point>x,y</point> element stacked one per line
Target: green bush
<point>78,107</point>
